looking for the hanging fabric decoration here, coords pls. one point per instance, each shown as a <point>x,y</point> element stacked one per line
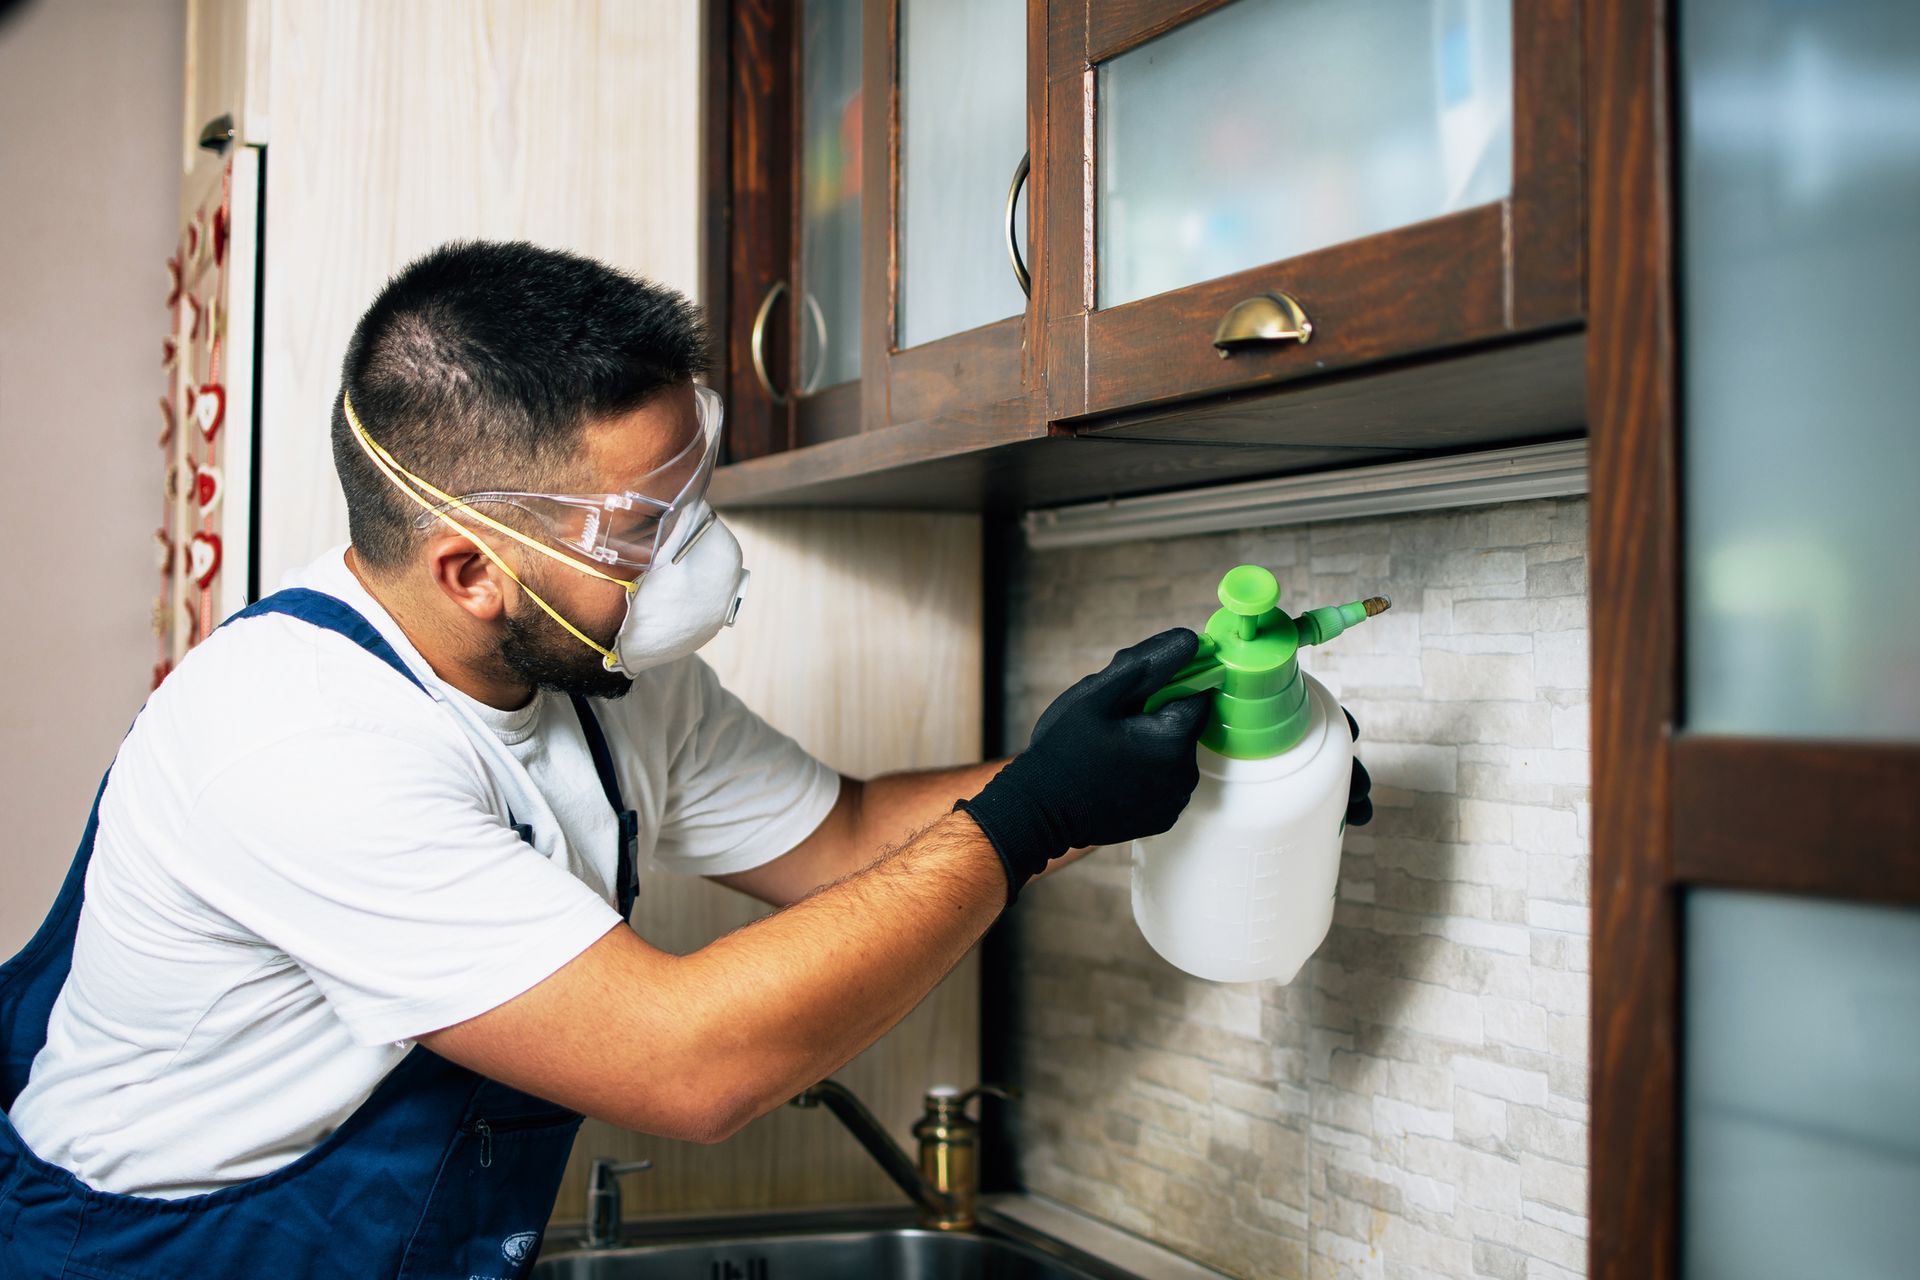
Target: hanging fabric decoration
<point>210,409</point>
<point>207,489</point>
<point>203,558</point>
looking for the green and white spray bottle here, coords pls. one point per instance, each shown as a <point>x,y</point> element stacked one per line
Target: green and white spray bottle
<point>1241,889</point>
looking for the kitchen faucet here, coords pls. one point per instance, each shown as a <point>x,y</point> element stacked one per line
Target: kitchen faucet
<point>946,1183</point>
<point>603,1199</point>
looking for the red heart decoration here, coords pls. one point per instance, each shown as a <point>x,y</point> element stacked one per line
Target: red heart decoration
<point>208,488</point>
<point>169,352</point>
<point>210,408</point>
<point>220,231</point>
<point>161,670</point>
<point>203,558</point>
<point>193,238</point>
<point>173,280</point>
<point>166,414</point>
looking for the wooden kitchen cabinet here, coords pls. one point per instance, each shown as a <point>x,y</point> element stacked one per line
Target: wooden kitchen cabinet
<point>1409,176</point>
<point>876,153</point>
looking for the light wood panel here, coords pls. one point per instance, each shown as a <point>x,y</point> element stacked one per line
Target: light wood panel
<point>226,64</point>
<point>861,637</point>
<point>397,127</point>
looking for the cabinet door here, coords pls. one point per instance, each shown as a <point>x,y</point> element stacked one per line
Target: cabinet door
<point>1405,172</point>
<point>947,291</point>
<point>785,208</point>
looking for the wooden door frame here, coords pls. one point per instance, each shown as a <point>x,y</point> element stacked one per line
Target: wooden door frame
<point>983,377</point>
<point>747,203</point>
<point>1674,809</point>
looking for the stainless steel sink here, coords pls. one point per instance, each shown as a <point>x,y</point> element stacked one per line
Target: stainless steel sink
<point>877,1244</point>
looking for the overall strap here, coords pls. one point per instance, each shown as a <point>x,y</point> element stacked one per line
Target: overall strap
<point>628,881</point>
<point>330,614</point>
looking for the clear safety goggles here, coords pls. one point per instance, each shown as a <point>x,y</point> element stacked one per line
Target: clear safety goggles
<point>629,528</point>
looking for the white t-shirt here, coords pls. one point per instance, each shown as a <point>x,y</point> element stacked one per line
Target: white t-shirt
<point>304,863</point>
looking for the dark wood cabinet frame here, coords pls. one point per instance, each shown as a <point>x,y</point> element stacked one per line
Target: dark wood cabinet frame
<point>1462,332</point>
<point>1483,274</point>
<point>1671,809</point>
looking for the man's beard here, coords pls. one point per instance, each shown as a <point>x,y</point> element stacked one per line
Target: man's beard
<point>538,650</point>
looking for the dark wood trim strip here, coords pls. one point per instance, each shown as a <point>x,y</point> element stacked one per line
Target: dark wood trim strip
<point>1837,819</point>
<point>879,208</point>
<point>1545,272</point>
<point>752,136</point>
<point>716,186</point>
<point>1115,26</point>
<point>1633,565</point>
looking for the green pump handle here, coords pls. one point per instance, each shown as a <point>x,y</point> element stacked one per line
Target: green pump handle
<point>1246,654</point>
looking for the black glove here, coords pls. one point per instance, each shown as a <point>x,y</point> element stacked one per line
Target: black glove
<point>1359,791</point>
<point>1097,771</point>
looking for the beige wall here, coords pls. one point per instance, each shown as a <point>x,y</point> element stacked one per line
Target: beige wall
<point>89,120</point>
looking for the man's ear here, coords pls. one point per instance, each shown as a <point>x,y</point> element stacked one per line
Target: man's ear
<point>467,576</point>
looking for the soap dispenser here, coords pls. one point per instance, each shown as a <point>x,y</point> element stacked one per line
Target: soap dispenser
<point>1242,888</point>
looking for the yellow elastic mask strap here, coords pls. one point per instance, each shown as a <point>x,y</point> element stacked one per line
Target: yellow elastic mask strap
<point>394,472</point>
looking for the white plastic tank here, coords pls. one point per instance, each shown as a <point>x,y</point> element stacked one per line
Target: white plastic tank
<point>1242,888</point>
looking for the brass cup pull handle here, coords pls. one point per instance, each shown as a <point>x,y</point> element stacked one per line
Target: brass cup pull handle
<point>1261,321</point>
<point>1013,245</point>
<point>757,342</point>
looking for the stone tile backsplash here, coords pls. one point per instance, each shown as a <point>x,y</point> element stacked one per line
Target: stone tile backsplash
<point>1415,1103</point>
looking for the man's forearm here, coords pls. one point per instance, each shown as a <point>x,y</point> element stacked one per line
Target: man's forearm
<point>833,972</point>
<point>894,806</point>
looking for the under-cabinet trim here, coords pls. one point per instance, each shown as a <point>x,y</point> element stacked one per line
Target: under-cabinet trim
<point>1516,474</point>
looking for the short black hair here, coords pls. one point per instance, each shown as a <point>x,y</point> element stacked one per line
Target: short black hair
<point>479,364</point>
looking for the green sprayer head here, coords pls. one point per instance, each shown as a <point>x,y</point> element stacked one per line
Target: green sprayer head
<point>1249,656</point>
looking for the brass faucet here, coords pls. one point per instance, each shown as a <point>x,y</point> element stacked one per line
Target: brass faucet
<point>946,1182</point>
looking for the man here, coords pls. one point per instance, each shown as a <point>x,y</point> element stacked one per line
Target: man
<point>351,961</point>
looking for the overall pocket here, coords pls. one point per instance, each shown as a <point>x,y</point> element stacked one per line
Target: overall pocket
<point>488,1210</point>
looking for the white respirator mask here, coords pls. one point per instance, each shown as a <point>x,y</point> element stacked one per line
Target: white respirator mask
<point>684,601</point>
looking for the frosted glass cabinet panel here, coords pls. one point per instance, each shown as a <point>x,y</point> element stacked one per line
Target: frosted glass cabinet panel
<point>827,310</point>
<point>963,129</point>
<point>1271,128</point>
<point>1801,1108</point>
<point>1800,252</point>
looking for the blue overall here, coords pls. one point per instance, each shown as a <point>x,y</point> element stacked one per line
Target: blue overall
<point>440,1173</point>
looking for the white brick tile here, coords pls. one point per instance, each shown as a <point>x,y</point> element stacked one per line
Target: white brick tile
<point>1477,677</point>
<point>1564,1186</point>
<point>1512,1022</point>
<point>1507,938</point>
<point>1560,992</point>
<point>1542,830</point>
<point>1393,1117</point>
<point>1564,917</point>
<point>1560,660</point>
<point>1497,1080</point>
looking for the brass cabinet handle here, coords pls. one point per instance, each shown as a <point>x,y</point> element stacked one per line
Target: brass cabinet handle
<point>1261,320</point>
<point>757,342</point>
<point>1013,247</point>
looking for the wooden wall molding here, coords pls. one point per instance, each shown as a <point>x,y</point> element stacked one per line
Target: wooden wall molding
<point>1633,555</point>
